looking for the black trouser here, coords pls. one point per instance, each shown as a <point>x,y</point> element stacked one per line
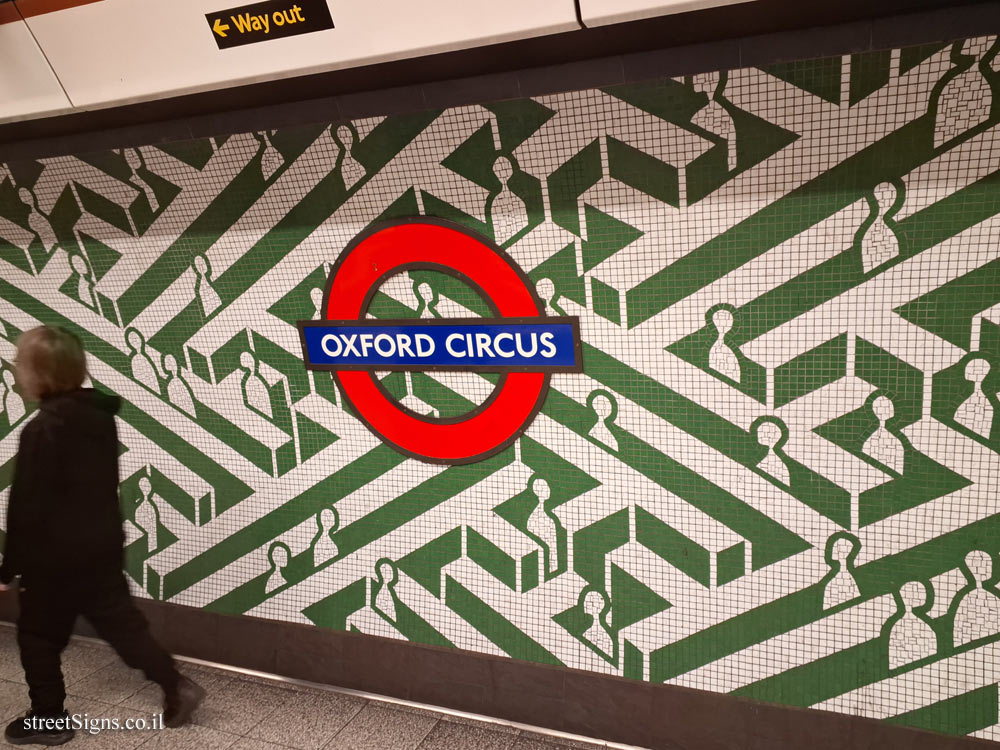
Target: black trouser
<point>49,609</point>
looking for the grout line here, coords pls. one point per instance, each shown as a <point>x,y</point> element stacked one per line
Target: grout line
<point>382,699</point>
<point>435,725</point>
<point>349,722</point>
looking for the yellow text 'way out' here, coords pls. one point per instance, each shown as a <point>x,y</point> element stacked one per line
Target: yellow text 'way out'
<point>245,22</point>
<point>268,20</point>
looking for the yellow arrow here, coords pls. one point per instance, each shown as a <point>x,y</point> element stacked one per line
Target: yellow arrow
<point>220,28</point>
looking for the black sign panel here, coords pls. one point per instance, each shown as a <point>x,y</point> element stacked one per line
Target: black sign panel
<point>261,22</point>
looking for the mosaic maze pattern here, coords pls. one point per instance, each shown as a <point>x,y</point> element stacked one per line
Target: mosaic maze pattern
<point>778,476</point>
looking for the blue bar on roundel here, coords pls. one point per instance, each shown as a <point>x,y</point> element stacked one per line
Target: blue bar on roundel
<point>523,344</point>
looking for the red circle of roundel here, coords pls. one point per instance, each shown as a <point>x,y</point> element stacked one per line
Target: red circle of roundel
<point>406,245</point>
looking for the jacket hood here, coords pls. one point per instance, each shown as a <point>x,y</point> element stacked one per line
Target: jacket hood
<point>85,408</point>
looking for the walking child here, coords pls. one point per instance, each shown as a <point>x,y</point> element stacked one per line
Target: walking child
<point>65,539</point>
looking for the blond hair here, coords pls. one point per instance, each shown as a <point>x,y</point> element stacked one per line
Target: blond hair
<point>50,361</point>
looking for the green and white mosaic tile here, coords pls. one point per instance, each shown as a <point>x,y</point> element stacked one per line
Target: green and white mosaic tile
<point>778,476</point>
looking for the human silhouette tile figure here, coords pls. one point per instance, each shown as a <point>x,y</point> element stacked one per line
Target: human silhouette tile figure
<point>713,117</point>
<point>882,445</point>
<point>507,211</point>
<point>413,402</point>
<point>966,100</point>
<point>606,409</point>
<point>271,159</point>
<point>384,597</point>
<point>255,390</point>
<point>323,546</point>
<point>13,404</point>
<point>146,515</point>
<point>178,391</point>
<point>722,356</point>
<point>351,170</point>
<point>976,412</point>
<point>879,244</point>
<point>208,298</point>
<point>316,296</point>
<point>278,556</point>
<point>911,637</point>
<point>135,162</point>
<point>595,604</point>
<point>546,289</point>
<point>542,525</point>
<point>426,302</point>
<point>39,222</point>
<point>977,614</point>
<point>769,433</point>
<point>842,587</point>
<point>143,369</point>
<point>84,281</point>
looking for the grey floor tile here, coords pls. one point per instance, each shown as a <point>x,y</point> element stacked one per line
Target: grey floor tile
<point>378,727</point>
<point>448,735</point>
<point>111,684</point>
<point>308,720</point>
<point>10,656</point>
<point>149,699</point>
<point>81,659</point>
<point>273,715</point>
<point>576,744</point>
<point>248,743</point>
<point>13,700</point>
<point>261,679</point>
<point>492,726</point>
<point>202,673</point>
<point>231,704</point>
<point>150,696</point>
<point>444,716</point>
<point>191,737</point>
<point>439,715</point>
<point>532,741</point>
<point>76,704</point>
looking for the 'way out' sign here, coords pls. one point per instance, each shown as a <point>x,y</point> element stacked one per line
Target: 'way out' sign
<point>262,22</point>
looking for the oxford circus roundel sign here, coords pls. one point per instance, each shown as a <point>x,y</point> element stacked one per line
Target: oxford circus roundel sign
<point>519,341</point>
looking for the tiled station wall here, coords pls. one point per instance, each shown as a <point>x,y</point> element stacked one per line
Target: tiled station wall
<point>777,476</point>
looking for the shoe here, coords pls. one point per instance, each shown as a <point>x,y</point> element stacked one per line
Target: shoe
<point>30,729</point>
<point>179,706</point>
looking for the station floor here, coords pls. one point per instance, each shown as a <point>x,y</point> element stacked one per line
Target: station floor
<point>252,712</point>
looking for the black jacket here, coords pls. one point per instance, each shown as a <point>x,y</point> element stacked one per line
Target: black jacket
<point>63,517</point>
